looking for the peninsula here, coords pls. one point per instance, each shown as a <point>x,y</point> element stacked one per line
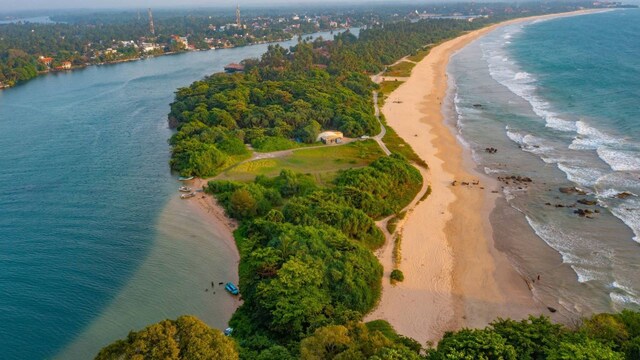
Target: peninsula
<point>311,216</point>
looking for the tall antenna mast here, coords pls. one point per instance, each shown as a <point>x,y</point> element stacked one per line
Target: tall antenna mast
<point>238,22</point>
<point>152,28</point>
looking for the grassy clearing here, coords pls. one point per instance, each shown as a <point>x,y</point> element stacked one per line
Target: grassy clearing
<point>397,251</point>
<point>426,194</point>
<point>233,160</point>
<point>392,224</point>
<point>321,162</point>
<point>421,54</point>
<point>386,88</point>
<point>397,145</point>
<point>271,144</point>
<point>401,69</point>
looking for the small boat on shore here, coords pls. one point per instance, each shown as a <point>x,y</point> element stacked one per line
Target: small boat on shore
<point>185,189</point>
<point>187,196</point>
<point>232,288</point>
<point>185,178</point>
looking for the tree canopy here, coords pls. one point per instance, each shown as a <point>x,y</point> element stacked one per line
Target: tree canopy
<point>185,338</point>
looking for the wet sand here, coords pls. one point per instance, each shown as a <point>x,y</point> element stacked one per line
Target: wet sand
<point>454,274</point>
<point>192,249</point>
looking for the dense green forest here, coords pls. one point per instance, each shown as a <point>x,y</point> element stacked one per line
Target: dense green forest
<point>268,107</point>
<point>306,251</point>
<point>600,337</point>
<point>290,95</point>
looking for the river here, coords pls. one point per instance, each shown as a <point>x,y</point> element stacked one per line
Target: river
<point>93,240</point>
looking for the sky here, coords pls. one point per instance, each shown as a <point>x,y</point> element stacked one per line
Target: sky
<point>13,5</point>
<point>10,5</point>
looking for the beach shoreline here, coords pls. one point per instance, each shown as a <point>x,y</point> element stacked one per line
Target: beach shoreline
<point>455,276</point>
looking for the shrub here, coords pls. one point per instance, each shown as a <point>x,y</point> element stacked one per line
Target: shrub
<point>397,276</point>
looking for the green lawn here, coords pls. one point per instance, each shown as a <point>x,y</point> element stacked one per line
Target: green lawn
<point>421,54</point>
<point>386,88</point>
<point>396,144</point>
<point>402,69</point>
<point>322,162</point>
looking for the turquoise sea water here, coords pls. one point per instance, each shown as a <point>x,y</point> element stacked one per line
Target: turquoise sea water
<point>93,242</point>
<point>559,99</point>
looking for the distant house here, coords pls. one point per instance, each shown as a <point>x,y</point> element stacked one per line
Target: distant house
<point>65,65</point>
<point>45,61</point>
<point>331,137</point>
<point>149,47</point>
<point>180,40</point>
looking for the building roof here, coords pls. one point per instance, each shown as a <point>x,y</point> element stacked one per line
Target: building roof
<point>329,135</point>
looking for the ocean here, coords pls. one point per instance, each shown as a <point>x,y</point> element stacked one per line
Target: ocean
<point>558,99</point>
<point>94,241</point>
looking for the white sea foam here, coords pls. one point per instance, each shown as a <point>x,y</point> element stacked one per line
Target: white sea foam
<point>624,288</point>
<point>628,296</point>
<point>580,173</point>
<point>523,75</point>
<point>508,193</point>
<point>554,122</point>
<point>516,137</point>
<point>610,186</point>
<point>590,137</point>
<point>585,275</point>
<point>623,299</point>
<point>567,244</point>
<point>530,143</point>
<point>620,160</point>
<point>608,193</point>
<point>489,171</point>
<point>629,212</point>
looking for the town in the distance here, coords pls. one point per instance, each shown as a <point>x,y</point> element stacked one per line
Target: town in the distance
<point>34,45</point>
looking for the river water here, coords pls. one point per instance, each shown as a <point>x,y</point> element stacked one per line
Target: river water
<point>93,240</point>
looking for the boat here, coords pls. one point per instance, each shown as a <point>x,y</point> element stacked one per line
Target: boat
<point>187,196</point>
<point>232,288</point>
<point>185,178</point>
<point>185,189</point>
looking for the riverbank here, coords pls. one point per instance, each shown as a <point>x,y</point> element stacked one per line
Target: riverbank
<point>454,275</point>
<point>133,59</point>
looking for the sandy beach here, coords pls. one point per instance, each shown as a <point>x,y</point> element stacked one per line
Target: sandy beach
<point>454,275</point>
